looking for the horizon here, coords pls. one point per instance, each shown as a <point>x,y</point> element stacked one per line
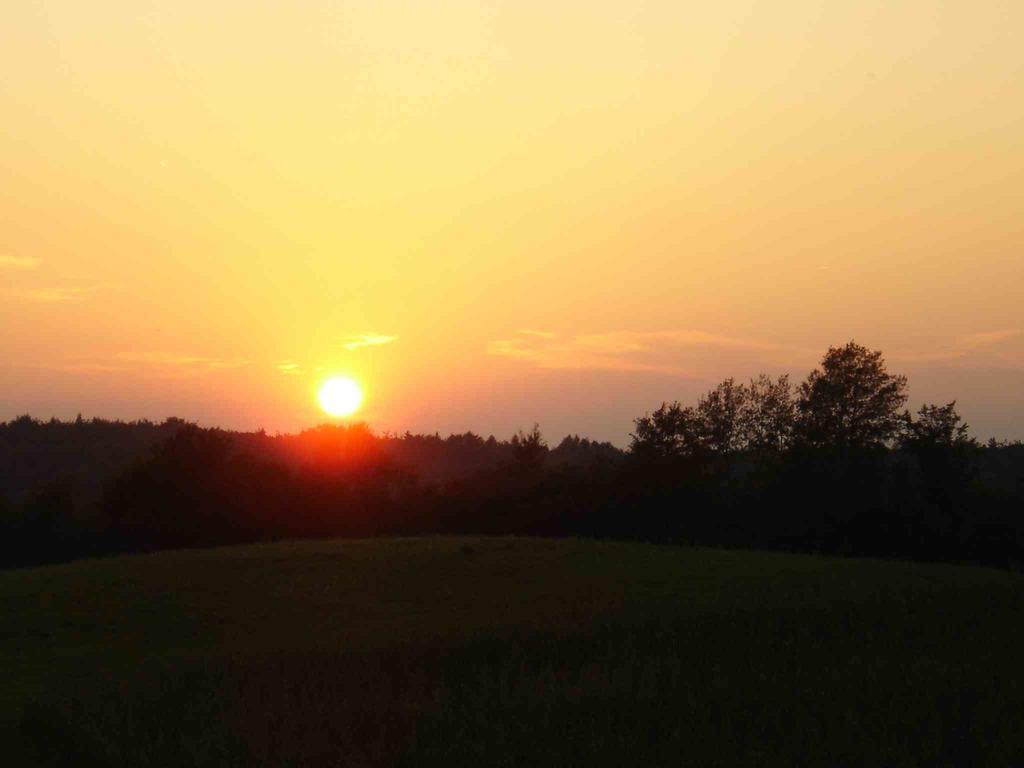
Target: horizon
<point>495,215</point>
<point>358,417</point>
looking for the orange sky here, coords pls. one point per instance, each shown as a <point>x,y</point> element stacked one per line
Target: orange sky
<point>495,213</point>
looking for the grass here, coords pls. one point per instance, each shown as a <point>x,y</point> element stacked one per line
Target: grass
<point>506,651</point>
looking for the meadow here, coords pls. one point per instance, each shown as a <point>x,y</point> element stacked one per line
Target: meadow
<point>509,651</point>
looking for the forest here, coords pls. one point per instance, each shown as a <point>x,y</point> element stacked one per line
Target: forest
<point>835,464</point>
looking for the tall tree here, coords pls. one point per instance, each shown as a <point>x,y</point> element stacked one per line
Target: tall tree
<point>720,418</point>
<point>768,415</point>
<point>851,401</point>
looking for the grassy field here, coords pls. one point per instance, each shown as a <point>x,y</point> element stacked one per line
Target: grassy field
<point>505,651</point>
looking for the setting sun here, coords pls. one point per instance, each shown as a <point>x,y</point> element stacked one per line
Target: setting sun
<point>340,396</point>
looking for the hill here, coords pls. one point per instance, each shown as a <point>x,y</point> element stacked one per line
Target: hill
<point>509,651</point>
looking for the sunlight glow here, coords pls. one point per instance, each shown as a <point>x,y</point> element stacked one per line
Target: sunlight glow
<point>340,397</point>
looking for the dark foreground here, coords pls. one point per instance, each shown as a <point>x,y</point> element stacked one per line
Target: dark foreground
<point>505,651</point>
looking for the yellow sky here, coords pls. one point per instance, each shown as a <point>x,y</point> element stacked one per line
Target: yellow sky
<point>495,213</point>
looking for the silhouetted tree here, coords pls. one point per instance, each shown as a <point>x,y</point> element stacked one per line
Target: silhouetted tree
<point>852,401</point>
<point>712,428</point>
<point>671,431</point>
<point>720,418</point>
<point>937,426</point>
<point>529,449</point>
<point>940,441</point>
<point>727,420</point>
<point>768,415</point>
<point>581,452</point>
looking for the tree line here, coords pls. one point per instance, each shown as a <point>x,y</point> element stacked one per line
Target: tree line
<point>833,464</point>
<point>850,404</point>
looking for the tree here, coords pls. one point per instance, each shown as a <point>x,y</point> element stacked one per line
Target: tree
<point>939,439</point>
<point>729,419</point>
<point>720,415</point>
<point>672,431</point>
<point>852,401</point>
<point>669,431</point>
<point>944,452</point>
<point>937,426</point>
<point>768,415</point>
<point>530,449</point>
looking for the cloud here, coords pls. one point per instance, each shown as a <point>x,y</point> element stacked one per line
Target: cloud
<point>677,352</point>
<point>19,262</point>
<point>58,295</point>
<point>987,338</point>
<point>1002,347</point>
<point>699,354</point>
<point>149,362</point>
<point>367,340</point>
<point>185,361</point>
<point>84,367</point>
<point>289,367</point>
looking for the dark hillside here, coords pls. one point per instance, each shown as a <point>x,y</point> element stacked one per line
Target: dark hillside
<point>508,651</point>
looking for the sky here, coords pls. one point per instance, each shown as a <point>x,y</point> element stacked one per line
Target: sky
<point>498,213</point>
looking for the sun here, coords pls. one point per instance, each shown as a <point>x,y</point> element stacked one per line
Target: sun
<point>340,396</point>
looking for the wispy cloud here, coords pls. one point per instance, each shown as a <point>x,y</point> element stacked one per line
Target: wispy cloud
<point>1003,347</point>
<point>81,366</point>
<point>353,343</point>
<point>678,352</point>
<point>289,367</point>
<point>699,354</point>
<point>56,295</point>
<point>987,338</point>
<point>18,262</point>
<point>184,361</point>
<point>148,362</point>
